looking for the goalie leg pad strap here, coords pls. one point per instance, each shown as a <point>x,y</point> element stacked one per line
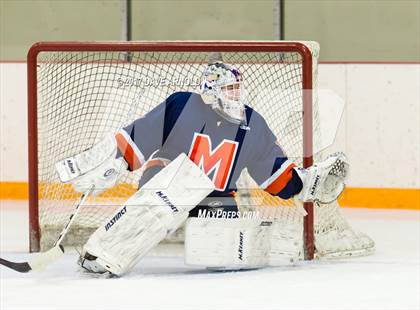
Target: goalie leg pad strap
<point>230,244</point>
<point>153,212</point>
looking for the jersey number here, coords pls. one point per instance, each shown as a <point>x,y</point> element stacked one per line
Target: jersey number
<point>219,160</point>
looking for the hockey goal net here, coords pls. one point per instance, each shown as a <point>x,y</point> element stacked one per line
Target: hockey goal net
<point>78,92</point>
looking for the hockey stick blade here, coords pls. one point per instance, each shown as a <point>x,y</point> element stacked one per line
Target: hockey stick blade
<point>38,263</point>
<point>19,267</point>
<point>42,260</point>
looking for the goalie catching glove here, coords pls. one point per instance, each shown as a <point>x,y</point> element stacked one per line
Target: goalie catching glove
<point>324,181</point>
<point>97,166</point>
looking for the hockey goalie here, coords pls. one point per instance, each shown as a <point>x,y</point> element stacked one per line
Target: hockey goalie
<point>191,150</point>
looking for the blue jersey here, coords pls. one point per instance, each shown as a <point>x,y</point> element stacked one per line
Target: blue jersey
<point>183,123</point>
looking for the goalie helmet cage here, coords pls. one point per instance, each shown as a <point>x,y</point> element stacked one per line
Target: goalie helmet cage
<point>73,100</point>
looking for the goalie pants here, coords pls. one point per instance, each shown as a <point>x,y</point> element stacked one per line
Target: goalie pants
<point>216,207</point>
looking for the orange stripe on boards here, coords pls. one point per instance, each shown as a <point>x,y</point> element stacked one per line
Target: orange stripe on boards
<point>14,190</point>
<point>381,198</point>
<point>375,198</point>
<point>54,191</point>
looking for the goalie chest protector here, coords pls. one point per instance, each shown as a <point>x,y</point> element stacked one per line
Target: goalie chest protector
<point>183,123</point>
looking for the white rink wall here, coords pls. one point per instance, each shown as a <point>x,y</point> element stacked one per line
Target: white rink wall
<point>379,129</point>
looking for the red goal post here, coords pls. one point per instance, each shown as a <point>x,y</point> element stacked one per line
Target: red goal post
<point>33,62</point>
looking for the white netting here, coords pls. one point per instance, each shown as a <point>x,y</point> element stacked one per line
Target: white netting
<point>84,95</point>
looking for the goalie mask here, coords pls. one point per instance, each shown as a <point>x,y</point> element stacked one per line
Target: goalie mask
<point>222,88</point>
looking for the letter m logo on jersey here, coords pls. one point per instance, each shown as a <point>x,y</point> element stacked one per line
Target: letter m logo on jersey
<point>218,161</point>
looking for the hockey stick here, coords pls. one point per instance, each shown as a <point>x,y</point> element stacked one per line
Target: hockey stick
<point>44,259</point>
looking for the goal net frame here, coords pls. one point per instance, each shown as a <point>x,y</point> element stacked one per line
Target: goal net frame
<point>173,46</point>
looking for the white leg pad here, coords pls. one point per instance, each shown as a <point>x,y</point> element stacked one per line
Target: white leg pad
<point>153,212</point>
<point>229,244</point>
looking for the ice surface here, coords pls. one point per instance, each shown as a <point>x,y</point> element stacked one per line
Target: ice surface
<point>389,279</point>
